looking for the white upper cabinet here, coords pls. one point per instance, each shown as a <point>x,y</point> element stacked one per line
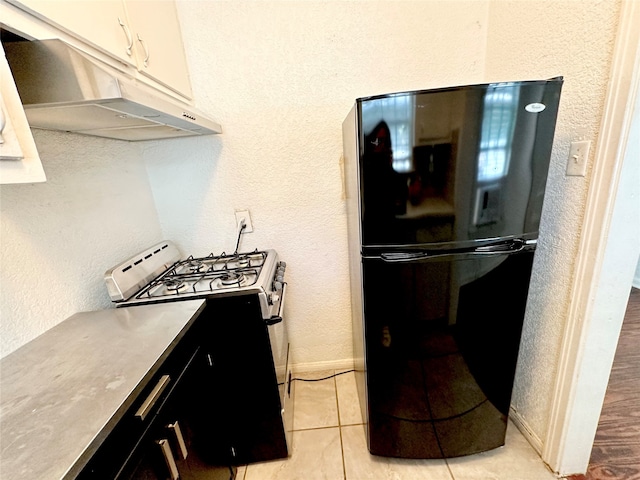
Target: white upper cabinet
<point>19,159</point>
<point>142,34</point>
<point>102,23</point>
<point>158,43</point>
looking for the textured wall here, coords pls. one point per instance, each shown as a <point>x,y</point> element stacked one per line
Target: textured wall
<point>58,238</point>
<point>545,39</point>
<point>280,77</point>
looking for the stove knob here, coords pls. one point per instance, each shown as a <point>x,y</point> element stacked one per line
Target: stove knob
<point>279,279</point>
<point>277,285</point>
<point>282,264</point>
<point>273,298</point>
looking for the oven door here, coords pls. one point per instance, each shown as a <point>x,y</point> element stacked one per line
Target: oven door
<point>279,341</point>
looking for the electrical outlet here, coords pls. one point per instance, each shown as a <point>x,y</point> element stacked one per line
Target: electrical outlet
<point>244,215</point>
<point>578,156</point>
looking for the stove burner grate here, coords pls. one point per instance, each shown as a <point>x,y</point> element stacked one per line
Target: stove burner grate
<point>211,274</point>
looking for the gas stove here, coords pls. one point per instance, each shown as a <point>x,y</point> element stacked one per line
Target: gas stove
<point>243,332</point>
<point>160,274</point>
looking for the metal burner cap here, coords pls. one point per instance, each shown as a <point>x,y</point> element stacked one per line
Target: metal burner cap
<point>257,260</point>
<point>173,284</point>
<point>231,278</point>
<point>195,265</point>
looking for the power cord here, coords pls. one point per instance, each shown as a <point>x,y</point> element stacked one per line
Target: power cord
<point>241,228</point>
<point>324,378</point>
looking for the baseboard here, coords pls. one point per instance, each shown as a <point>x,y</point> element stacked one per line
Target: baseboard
<point>311,367</point>
<point>522,425</point>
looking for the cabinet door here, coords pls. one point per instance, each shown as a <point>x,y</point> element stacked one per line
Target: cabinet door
<point>158,43</point>
<point>19,159</point>
<point>170,449</point>
<point>103,24</point>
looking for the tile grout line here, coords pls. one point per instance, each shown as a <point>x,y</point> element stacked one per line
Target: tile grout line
<point>325,427</point>
<point>344,467</point>
<point>446,462</point>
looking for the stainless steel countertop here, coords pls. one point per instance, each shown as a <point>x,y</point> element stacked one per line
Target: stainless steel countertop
<point>62,392</point>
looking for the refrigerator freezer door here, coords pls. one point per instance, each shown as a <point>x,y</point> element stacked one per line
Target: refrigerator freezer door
<point>442,338</point>
<point>454,165</point>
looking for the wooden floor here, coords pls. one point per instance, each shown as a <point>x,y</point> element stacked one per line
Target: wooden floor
<point>616,449</point>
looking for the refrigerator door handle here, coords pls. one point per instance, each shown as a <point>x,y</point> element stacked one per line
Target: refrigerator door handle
<point>405,257</point>
<point>511,246</point>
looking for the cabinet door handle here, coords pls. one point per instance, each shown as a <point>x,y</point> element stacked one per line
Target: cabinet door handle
<point>128,34</point>
<point>168,458</point>
<point>3,122</point>
<point>182,446</point>
<point>151,400</point>
<point>146,51</point>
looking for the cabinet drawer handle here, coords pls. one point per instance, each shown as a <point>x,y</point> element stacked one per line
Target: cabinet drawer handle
<point>182,446</point>
<point>128,34</point>
<point>150,401</point>
<point>168,458</point>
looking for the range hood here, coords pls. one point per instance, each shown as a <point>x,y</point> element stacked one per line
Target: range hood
<point>64,89</point>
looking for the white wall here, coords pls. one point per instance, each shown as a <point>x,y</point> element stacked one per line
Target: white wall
<point>543,39</point>
<point>58,238</point>
<point>280,77</point>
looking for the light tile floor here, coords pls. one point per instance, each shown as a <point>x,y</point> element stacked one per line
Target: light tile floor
<point>329,443</point>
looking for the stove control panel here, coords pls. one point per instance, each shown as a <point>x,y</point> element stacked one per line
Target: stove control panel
<point>278,279</point>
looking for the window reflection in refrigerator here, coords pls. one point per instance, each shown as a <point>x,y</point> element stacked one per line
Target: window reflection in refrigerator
<point>398,112</point>
<point>494,152</point>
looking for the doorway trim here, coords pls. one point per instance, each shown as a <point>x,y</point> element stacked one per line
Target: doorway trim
<point>586,356</point>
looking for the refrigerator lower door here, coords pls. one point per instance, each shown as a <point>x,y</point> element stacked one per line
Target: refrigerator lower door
<point>441,338</point>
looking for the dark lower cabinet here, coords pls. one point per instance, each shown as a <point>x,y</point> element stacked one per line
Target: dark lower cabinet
<point>252,408</point>
<point>222,398</point>
<point>158,438</point>
<point>169,449</point>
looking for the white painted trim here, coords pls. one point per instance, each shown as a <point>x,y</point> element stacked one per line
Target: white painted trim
<point>636,277</point>
<point>526,431</point>
<point>564,450</point>
<point>312,367</point>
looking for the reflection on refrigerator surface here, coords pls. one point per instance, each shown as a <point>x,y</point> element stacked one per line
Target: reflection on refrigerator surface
<point>435,370</point>
<point>462,164</point>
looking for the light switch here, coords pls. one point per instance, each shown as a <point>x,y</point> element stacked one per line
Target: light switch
<point>578,156</point>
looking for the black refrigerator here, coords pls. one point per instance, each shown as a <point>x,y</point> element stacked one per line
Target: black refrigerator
<point>444,193</point>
